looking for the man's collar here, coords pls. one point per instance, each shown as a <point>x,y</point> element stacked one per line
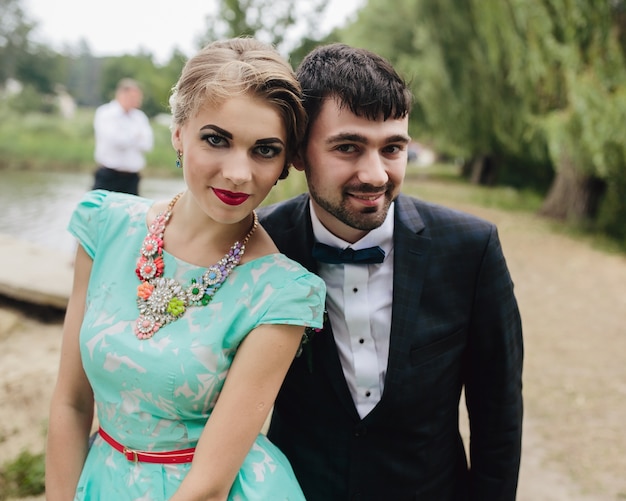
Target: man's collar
<point>381,236</point>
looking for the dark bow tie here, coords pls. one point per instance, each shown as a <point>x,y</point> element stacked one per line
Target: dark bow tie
<point>334,255</point>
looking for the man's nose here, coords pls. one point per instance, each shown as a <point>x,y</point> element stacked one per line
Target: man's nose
<point>372,169</point>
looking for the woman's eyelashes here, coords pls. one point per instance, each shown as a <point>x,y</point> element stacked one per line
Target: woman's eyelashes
<point>268,150</point>
<point>262,149</point>
<point>215,140</point>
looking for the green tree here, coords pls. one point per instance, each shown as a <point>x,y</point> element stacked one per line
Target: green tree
<point>472,96</point>
<point>585,135</point>
<point>279,22</point>
<point>14,32</point>
<point>532,84</point>
<point>142,68</point>
<point>83,73</point>
<point>40,67</point>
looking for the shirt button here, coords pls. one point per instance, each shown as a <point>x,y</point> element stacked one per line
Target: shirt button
<point>368,393</point>
<point>361,341</point>
<point>355,290</point>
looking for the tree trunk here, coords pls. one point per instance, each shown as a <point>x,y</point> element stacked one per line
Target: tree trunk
<point>482,170</point>
<point>573,196</point>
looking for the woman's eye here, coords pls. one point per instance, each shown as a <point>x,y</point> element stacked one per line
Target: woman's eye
<point>268,151</point>
<point>214,140</point>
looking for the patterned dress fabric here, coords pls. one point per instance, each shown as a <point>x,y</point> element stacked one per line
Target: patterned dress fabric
<point>157,394</point>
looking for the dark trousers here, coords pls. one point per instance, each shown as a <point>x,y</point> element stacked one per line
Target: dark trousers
<point>115,180</point>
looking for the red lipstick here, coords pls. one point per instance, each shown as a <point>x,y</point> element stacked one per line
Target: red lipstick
<point>231,198</point>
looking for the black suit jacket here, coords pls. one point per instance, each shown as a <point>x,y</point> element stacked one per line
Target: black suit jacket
<point>455,324</point>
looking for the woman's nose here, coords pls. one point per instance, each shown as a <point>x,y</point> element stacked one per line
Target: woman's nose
<point>238,169</point>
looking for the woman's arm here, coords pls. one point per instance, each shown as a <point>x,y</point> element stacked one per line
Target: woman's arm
<point>250,389</point>
<point>71,408</point>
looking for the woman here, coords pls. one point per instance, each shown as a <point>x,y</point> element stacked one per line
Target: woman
<point>184,318</point>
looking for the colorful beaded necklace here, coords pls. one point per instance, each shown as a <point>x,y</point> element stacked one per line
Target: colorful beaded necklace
<point>162,300</point>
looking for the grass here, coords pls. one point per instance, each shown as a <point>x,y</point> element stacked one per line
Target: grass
<point>24,476</point>
<point>38,141</point>
<point>442,183</point>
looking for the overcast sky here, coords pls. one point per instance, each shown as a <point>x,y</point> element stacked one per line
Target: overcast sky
<point>115,27</point>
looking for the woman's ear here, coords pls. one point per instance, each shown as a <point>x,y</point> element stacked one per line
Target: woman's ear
<point>177,142</point>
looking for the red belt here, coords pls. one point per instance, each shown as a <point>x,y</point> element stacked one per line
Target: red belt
<point>181,456</point>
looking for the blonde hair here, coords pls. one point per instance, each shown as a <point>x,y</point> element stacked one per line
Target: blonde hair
<point>235,67</point>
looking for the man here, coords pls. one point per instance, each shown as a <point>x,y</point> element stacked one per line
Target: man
<point>123,135</point>
<point>370,410</point>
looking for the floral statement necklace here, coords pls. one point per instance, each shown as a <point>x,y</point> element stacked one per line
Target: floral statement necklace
<point>162,300</point>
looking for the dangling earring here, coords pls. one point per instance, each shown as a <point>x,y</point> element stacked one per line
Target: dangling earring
<point>179,159</point>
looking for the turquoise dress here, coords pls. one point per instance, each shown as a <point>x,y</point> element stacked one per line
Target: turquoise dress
<point>157,394</point>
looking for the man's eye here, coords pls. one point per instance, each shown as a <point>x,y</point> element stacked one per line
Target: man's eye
<point>346,148</point>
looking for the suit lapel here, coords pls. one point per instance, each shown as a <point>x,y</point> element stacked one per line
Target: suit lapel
<point>412,254</point>
<point>294,237</point>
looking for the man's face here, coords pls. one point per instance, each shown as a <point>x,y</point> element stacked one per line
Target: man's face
<point>130,98</point>
<point>354,168</point>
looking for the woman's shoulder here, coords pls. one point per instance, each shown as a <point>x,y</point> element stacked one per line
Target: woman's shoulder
<point>283,272</point>
<point>103,199</point>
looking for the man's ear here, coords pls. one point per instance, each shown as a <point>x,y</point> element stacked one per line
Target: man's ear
<point>298,162</point>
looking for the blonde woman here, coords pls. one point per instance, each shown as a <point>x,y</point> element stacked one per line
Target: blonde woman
<point>184,318</point>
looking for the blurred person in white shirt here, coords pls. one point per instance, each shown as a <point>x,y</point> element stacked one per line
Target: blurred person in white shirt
<point>123,136</point>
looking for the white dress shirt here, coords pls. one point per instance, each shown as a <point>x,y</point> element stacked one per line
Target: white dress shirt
<point>122,138</point>
<point>358,301</point>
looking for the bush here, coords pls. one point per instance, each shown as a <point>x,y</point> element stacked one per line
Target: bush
<point>25,476</point>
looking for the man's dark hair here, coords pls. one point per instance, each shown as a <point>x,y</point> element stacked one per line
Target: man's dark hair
<point>360,80</point>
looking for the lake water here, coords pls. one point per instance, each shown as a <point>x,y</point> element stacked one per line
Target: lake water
<point>36,206</point>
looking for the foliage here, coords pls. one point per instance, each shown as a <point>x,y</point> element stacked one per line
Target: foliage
<point>156,82</point>
<point>14,32</point>
<point>30,100</point>
<point>24,476</point>
<point>249,17</point>
<point>82,77</point>
<point>469,69</point>
<point>530,84</point>
<point>38,140</point>
<point>446,186</point>
<point>486,74</point>
<point>35,139</point>
<point>583,45</point>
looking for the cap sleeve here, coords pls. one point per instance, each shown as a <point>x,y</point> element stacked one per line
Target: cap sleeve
<point>299,302</point>
<point>84,222</point>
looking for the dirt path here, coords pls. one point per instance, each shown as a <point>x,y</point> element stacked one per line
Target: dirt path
<point>573,304</point>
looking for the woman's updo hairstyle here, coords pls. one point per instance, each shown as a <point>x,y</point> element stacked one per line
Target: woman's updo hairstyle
<point>241,66</point>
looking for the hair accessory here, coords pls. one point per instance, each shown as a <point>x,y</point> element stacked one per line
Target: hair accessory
<point>162,300</point>
<point>179,159</point>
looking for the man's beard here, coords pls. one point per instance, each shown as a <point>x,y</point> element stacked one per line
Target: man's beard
<point>366,219</point>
